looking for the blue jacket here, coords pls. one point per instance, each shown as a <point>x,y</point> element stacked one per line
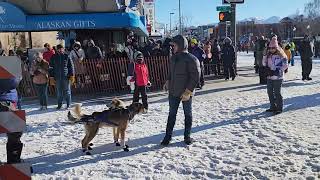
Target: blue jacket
<point>198,53</point>
<point>61,67</point>
<point>8,90</point>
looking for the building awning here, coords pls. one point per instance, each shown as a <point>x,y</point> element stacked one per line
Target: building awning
<point>13,19</point>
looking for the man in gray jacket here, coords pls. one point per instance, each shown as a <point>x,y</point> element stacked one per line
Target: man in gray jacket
<point>184,75</point>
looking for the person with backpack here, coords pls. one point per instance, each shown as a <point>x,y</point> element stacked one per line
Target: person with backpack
<point>141,77</point>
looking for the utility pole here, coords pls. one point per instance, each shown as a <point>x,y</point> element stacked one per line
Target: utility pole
<point>234,31</point>
<point>234,24</point>
<point>180,23</point>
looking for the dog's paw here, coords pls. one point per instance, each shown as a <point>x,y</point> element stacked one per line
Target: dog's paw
<point>89,148</point>
<point>118,144</point>
<point>88,153</point>
<point>91,144</point>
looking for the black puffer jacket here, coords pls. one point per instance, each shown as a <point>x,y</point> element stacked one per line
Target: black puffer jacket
<point>184,70</point>
<point>61,67</point>
<point>305,50</point>
<point>228,55</point>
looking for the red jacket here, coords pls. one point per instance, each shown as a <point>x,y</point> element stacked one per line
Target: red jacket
<point>48,54</point>
<point>141,74</point>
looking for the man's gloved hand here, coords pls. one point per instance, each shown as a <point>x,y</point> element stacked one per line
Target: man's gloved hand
<point>72,79</point>
<point>52,82</point>
<point>166,86</point>
<point>186,95</point>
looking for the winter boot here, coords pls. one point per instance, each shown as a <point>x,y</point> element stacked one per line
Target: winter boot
<point>188,140</point>
<point>14,153</point>
<point>166,141</point>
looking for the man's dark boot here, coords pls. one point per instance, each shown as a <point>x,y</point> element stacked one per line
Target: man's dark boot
<point>166,141</point>
<point>14,153</point>
<point>188,140</point>
<point>59,107</point>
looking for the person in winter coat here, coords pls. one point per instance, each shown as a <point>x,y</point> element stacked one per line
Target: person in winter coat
<point>62,74</point>
<point>48,52</point>
<point>287,51</point>
<point>276,63</point>
<point>93,52</point>
<point>260,49</point>
<point>216,57</point>
<point>39,71</point>
<point>130,51</point>
<point>306,53</point>
<point>8,101</point>
<point>183,78</point>
<point>198,53</point>
<point>77,55</point>
<point>141,76</point>
<point>228,56</point>
<point>208,59</point>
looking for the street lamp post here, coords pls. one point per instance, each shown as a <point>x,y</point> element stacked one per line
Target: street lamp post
<point>170,22</point>
<point>180,23</point>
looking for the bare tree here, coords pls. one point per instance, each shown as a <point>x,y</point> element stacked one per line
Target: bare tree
<point>312,9</point>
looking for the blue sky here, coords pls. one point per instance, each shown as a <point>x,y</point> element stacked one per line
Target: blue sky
<point>204,11</point>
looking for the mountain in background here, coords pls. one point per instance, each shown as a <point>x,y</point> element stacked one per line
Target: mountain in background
<point>270,20</point>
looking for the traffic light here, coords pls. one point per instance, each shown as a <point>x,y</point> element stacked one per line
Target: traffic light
<point>224,16</point>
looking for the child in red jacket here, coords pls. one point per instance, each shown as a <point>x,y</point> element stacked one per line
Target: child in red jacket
<point>141,76</point>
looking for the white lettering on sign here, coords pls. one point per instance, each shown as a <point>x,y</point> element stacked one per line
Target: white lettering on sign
<point>65,24</point>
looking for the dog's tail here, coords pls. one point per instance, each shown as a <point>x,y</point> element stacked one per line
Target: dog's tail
<point>77,112</point>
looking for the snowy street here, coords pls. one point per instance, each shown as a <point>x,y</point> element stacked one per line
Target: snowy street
<point>235,137</point>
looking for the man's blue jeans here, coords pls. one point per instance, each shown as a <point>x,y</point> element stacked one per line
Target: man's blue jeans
<point>292,58</point>
<point>173,109</point>
<point>63,91</point>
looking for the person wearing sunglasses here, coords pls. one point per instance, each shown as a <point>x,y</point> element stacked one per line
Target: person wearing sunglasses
<point>275,63</point>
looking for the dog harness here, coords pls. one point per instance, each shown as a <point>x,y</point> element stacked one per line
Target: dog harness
<point>99,117</point>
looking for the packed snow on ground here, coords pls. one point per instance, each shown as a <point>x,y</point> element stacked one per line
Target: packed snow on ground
<point>235,137</point>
